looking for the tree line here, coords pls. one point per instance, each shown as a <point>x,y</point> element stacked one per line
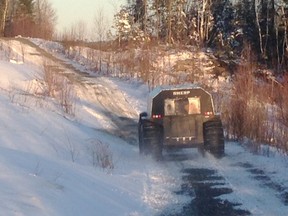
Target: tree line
<point>225,25</point>
<point>29,18</point>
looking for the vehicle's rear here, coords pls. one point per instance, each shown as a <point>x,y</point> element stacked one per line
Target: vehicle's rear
<point>181,112</point>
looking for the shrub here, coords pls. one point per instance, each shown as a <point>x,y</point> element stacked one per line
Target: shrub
<point>257,109</point>
<point>59,88</point>
<point>101,155</point>
<point>246,116</point>
<point>281,101</point>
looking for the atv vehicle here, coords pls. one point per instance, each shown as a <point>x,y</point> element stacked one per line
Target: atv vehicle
<point>179,117</point>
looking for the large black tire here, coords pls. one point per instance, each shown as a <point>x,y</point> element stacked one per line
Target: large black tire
<point>150,139</point>
<point>214,137</point>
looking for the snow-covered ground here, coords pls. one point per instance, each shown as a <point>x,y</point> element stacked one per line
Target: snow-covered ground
<point>47,165</point>
<point>47,157</point>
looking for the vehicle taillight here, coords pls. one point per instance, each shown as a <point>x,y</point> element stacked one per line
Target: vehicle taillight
<point>208,113</point>
<point>156,116</point>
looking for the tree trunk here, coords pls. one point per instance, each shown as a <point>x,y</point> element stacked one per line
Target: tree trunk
<point>202,20</point>
<point>169,21</point>
<point>145,17</point>
<point>256,3</point>
<point>285,39</point>
<point>267,28</point>
<point>3,18</point>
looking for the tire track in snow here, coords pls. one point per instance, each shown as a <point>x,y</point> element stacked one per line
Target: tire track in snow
<point>109,101</point>
<point>114,106</point>
<point>205,184</point>
<point>235,185</point>
<point>280,190</point>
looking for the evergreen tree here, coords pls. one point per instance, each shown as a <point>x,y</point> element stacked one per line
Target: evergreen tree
<point>123,24</point>
<point>224,29</point>
<point>245,20</point>
<point>140,13</point>
<point>25,7</point>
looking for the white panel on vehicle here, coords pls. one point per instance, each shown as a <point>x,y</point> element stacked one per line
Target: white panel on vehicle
<point>169,108</point>
<point>194,105</point>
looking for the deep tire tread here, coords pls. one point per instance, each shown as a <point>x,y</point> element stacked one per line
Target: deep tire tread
<point>214,137</point>
<point>150,139</point>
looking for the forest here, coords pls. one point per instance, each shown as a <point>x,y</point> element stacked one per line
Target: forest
<point>219,24</point>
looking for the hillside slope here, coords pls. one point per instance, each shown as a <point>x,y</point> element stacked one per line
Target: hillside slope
<point>49,162</point>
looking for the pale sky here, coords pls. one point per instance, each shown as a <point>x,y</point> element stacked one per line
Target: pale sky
<point>70,12</point>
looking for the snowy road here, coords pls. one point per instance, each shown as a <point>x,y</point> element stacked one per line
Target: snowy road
<point>110,106</point>
<point>241,183</point>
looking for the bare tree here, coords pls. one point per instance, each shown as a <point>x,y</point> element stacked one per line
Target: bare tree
<point>76,32</point>
<point>200,19</point>
<point>100,31</point>
<point>100,27</point>
<point>80,30</point>
<point>205,19</point>
<point>45,19</point>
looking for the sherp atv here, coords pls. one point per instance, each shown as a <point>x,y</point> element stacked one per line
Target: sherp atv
<point>179,117</point>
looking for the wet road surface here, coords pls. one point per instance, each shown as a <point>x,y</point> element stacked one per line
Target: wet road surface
<point>205,186</point>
